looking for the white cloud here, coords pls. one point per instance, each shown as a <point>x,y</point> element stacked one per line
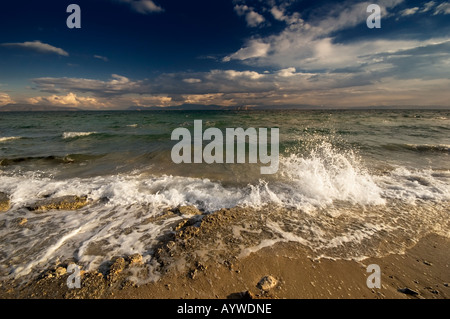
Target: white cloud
<point>427,6</point>
<point>101,58</point>
<point>70,100</point>
<point>5,99</point>
<point>117,85</point>
<point>232,74</point>
<point>144,6</point>
<point>408,12</point>
<point>252,17</point>
<point>37,46</point>
<point>443,8</point>
<point>285,73</point>
<point>160,101</point>
<point>192,80</point>
<point>280,15</point>
<point>253,49</point>
<point>310,45</point>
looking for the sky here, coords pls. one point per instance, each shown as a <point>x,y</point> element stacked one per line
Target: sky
<point>249,53</point>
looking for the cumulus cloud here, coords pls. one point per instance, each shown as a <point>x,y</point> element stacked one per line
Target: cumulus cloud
<point>311,45</point>
<point>321,72</point>
<point>192,80</point>
<point>408,12</point>
<point>280,14</point>
<point>443,8</point>
<point>145,101</point>
<point>253,49</point>
<point>252,17</point>
<point>37,46</point>
<point>428,6</point>
<point>5,99</point>
<point>143,6</point>
<point>285,73</point>
<point>70,100</point>
<point>117,85</point>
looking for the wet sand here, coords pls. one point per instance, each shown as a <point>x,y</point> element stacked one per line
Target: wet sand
<point>193,267</point>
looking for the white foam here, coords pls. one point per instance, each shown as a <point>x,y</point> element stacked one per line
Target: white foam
<point>410,185</point>
<point>121,204</point>
<point>67,135</point>
<point>9,138</point>
<point>327,175</point>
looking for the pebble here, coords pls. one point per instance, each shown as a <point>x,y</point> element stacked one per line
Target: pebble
<point>408,291</point>
<point>266,283</point>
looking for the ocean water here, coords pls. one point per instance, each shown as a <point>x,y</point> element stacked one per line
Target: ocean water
<point>350,184</point>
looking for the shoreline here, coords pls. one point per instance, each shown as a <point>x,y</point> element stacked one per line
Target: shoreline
<point>192,268</point>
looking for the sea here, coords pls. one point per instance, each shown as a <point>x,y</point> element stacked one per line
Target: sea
<point>351,184</point>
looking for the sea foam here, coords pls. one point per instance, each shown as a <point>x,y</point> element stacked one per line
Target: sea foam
<point>67,135</point>
<point>329,202</point>
<point>9,138</point>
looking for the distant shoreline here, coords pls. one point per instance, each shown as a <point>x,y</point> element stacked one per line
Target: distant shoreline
<point>194,107</point>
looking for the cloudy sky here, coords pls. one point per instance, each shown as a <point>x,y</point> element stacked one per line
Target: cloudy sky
<point>225,52</point>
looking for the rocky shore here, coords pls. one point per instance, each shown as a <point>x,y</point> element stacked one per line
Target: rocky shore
<point>202,258</point>
<point>4,202</point>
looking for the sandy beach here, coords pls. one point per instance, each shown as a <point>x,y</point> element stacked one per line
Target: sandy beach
<point>191,265</point>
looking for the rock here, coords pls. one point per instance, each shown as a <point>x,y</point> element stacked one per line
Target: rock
<point>188,210</point>
<point>4,202</point>
<point>135,259</point>
<point>267,283</point>
<point>198,268</point>
<point>181,224</point>
<point>60,203</point>
<point>248,295</point>
<point>187,233</point>
<point>193,273</point>
<point>427,263</point>
<point>445,284</point>
<point>21,221</point>
<point>245,295</point>
<point>60,271</point>
<point>116,268</point>
<point>408,291</point>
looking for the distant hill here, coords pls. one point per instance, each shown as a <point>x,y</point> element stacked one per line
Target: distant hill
<point>34,108</point>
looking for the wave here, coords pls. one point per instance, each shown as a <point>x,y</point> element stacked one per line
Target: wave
<point>9,138</point>
<point>423,148</point>
<point>67,135</point>
<point>70,158</point>
<point>326,200</point>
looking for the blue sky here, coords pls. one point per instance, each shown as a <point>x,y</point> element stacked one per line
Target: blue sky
<point>225,52</point>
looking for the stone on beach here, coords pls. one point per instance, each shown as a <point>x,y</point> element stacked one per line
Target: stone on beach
<point>117,267</point>
<point>135,259</point>
<point>4,202</point>
<point>267,283</point>
<point>60,203</point>
<point>189,210</point>
<point>408,291</point>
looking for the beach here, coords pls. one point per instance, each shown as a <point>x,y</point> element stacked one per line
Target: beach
<point>420,272</point>
<point>96,196</point>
